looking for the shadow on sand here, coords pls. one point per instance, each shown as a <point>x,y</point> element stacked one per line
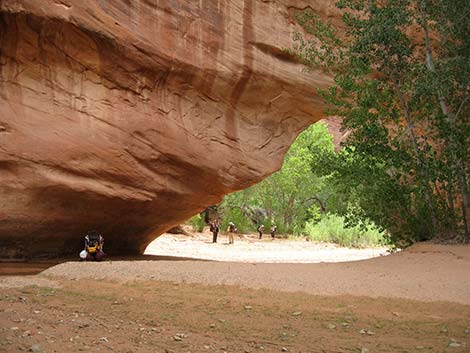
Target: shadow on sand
<point>24,268</point>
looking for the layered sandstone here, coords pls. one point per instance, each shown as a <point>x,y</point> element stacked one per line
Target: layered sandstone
<point>131,116</point>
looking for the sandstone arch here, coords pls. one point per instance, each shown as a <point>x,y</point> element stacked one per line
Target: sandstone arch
<point>129,117</point>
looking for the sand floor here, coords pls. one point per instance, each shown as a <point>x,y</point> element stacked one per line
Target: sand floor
<point>248,248</point>
<point>417,300</point>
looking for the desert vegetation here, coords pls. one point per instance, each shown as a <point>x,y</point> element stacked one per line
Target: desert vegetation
<point>301,201</point>
<point>402,83</point>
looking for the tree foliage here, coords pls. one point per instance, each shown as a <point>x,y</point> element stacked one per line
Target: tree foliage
<point>288,196</point>
<point>402,84</point>
<point>302,200</point>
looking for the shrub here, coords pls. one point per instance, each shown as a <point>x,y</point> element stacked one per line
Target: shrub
<point>197,222</point>
<point>331,228</point>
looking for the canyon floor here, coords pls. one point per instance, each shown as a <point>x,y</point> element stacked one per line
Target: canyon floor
<point>248,248</point>
<point>417,300</point>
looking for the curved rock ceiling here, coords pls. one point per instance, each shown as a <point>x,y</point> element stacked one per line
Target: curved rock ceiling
<point>131,116</point>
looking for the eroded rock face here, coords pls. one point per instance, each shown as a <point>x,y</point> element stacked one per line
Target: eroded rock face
<point>131,116</point>
<point>339,135</point>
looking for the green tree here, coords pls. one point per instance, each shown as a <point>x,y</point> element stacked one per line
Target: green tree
<point>401,74</point>
<point>286,196</point>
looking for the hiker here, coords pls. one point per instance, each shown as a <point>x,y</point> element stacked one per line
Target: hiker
<point>261,230</point>
<point>230,230</point>
<point>272,230</point>
<point>214,228</point>
<point>94,244</point>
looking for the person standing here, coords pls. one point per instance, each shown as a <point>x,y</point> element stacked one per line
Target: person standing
<point>260,230</point>
<point>273,230</point>
<point>230,230</point>
<point>215,228</point>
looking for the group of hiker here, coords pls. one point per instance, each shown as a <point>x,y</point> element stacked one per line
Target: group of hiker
<point>94,241</point>
<point>214,227</point>
<point>272,230</point>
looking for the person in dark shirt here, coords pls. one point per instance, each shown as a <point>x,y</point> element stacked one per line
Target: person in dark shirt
<point>273,230</point>
<point>260,230</point>
<point>215,228</point>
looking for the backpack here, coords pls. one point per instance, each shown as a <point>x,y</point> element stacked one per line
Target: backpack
<point>93,242</point>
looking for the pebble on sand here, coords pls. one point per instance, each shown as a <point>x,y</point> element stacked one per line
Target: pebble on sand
<point>35,348</point>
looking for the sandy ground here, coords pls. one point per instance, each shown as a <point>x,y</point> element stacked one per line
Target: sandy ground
<point>424,272</point>
<point>248,248</point>
<point>417,300</point>
<point>164,317</point>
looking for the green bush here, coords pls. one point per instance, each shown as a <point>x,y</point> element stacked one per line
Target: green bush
<point>332,229</point>
<point>197,222</point>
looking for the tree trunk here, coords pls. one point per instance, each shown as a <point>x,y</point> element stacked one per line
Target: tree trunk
<point>289,212</point>
<point>451,119</point>
<point>428,194</point>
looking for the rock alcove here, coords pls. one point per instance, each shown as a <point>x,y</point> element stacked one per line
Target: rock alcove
<point>129,117</point>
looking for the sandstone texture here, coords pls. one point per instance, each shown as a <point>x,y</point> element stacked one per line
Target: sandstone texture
<point>334,124</point>
<point>131,116</point>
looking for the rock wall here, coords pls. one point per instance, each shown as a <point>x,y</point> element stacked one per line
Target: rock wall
<point>339,135</point>
<point>131,116</point>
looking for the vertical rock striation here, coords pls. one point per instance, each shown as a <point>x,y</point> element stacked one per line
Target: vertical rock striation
<point>131,116</point>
